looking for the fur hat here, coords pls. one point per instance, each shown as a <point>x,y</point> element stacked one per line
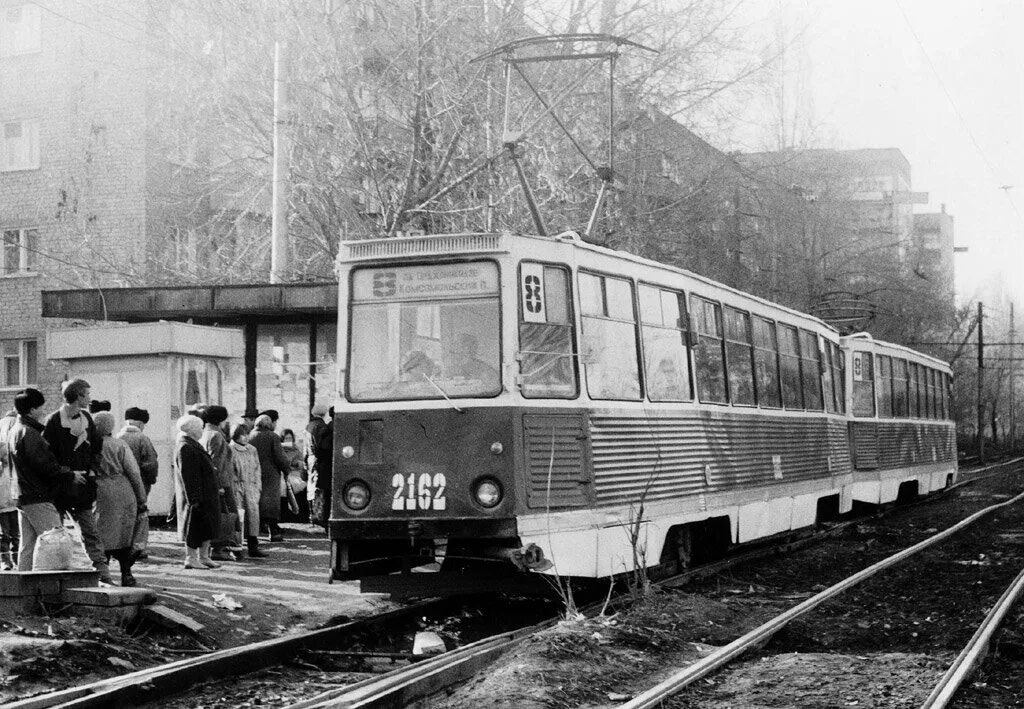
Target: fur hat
<point>96,407</point>
<point>136,414</point>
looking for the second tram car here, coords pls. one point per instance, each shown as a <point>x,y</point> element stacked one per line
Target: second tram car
<point>545,404</point>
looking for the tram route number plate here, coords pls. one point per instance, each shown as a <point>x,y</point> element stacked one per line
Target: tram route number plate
<point>419,492</point>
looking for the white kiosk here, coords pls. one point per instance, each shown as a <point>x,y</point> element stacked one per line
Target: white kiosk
<point>163,367</point>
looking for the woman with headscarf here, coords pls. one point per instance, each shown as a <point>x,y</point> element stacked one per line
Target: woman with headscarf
<point>120,497</point>
<point>274,465</point>
<point>248,485</point>
<point>200,495</point>
<point>216,444</point>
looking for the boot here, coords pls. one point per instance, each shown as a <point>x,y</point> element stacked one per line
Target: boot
<point>192,558</point>
<point>125,559</point>
<point>275,532</point>
<point>204,556</point>
<point>254,551</point>
<point>104,569</point>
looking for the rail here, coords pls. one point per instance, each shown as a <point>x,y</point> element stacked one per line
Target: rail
<point>727,653</point>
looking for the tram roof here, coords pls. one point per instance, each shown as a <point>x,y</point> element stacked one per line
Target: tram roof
<point>885,347</point>
<point>351,253</point>
<point>203,304</point>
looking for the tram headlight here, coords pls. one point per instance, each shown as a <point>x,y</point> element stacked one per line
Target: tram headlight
<point>488,492</point>
<point>356,495</point>
<point>348,452</point>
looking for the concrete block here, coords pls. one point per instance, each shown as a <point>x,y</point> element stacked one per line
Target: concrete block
<point>45,583</point>
<point>109,596</point>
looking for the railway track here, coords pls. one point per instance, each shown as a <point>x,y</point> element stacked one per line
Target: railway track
<point>725,664</point>
<point>418,680</point>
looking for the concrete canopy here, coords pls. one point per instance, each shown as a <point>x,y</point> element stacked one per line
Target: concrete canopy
<point>202,304</point>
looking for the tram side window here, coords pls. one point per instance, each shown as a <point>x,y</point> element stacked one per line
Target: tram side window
<point>710,361</point>
<point>947,396</point>
<point>666,360</point>
<point>913,392</point>
<point>838,377</point>
<point>789,363</point>
<point>810,370</point>
<point>766,363</point>
<point>739,357</point>
<point>926,392</point>
<point>884,386</point>
<point>547,366</point>
<point>863,384</point>
<point>609,337</point>
<point>829,379</point>
<point>933,394</point>
<point>899,388</point>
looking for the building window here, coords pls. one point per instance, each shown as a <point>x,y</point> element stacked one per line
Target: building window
<point>20,30</point>
<point>19,366</point>
<point>20,247</point>
<point>19,145</point>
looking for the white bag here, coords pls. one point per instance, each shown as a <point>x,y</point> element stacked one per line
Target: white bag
<point>53,551</point>
<point>79,556</point>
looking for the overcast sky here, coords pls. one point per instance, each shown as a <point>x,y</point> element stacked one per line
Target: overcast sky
<point>943,81</point>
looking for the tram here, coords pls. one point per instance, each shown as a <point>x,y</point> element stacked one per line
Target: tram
<point>540,404</point>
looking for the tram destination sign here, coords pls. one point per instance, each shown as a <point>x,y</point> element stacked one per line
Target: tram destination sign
<point>425,282</point>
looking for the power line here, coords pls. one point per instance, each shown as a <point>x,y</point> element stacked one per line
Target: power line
<point>956,109</point>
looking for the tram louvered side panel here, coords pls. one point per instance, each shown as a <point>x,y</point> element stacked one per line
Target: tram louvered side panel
<point>864,435</point>
<point>689,454</point>
<point>905,443</point>
<point>556,460</point>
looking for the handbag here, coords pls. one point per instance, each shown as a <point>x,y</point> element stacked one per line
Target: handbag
<point>293,504</point>
<point>228,526</point>
<point>317,508</point>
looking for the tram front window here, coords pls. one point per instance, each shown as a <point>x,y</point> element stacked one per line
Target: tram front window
<point>408,346</point>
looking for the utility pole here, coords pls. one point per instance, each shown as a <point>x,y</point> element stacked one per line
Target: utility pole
<point>1013,384</point>
<point>279,213</point>
<point>981,385</point>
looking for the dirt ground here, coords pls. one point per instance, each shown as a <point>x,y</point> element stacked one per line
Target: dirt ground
<point>827,661</point>
<point>598,662</point>
<point>242,602</point>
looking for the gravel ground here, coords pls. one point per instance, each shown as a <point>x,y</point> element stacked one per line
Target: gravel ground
<point>882,644</point>
<point>887,639</point>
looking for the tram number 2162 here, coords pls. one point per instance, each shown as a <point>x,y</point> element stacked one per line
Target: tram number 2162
<point>418,492</point>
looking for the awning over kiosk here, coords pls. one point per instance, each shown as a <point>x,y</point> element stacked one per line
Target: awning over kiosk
<point>234,304</point>
<point>249,306</point>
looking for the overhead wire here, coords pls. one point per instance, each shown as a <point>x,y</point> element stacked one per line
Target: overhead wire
<point>956,109</point>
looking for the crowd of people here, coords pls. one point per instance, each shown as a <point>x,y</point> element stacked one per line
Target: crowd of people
<point>232,481</point>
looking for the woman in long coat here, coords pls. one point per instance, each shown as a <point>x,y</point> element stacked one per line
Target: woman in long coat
<point>274,465</point>
<point>200,493</point>
<point>248,485</point>
<point>216,444</point>
<point>120,497</point>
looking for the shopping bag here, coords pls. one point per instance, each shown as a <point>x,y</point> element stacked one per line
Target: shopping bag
<point>226,533</point>
<point>53,551</point>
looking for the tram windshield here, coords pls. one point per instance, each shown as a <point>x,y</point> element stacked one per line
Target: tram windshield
<point>425,332</point>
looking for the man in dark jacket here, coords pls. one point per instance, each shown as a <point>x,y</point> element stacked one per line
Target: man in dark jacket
<point>38,477</point>
<point>73,439</point>
<point>324,447</point>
